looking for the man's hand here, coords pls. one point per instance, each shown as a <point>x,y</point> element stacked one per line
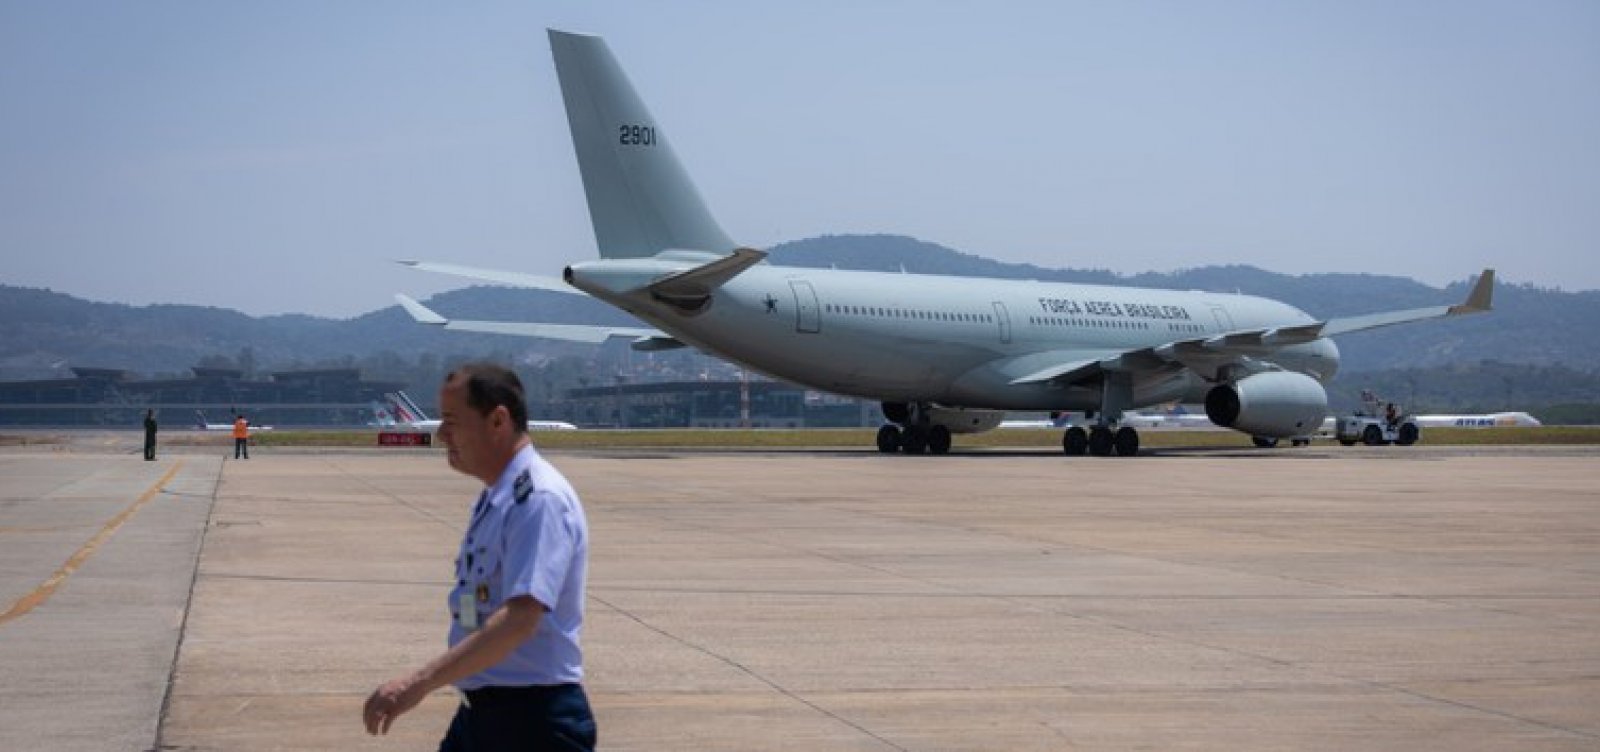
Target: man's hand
<point>390,701</point>
<point>516,620</point>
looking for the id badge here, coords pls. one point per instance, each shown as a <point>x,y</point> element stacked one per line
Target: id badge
<point>467,612</point>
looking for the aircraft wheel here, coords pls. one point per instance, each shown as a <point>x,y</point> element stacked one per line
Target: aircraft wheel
<point>1075,442</point>
<point>1348,442</point>
<point>889,439</point>
<point>1263,442</point>
<point>1127,441</point>
<point>1372,436</point>
<point>1408,434</point>
<point>914,440</point>
<point>938,440</point>
<point>1100,441</point>
<point>1302,442</point>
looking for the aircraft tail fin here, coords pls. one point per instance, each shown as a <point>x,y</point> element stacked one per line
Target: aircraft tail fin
<point>641,201</point>
<point>411,406</point>
<point>399,409</point>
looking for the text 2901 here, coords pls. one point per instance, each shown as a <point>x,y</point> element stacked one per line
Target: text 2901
<point>636,135</point>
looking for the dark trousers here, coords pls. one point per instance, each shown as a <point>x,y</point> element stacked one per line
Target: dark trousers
<point>149,445</point>
<point>527,719</point>
<point>241,448</point>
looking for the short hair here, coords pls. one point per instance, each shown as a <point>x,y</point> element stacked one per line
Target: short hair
<point>489,386</point>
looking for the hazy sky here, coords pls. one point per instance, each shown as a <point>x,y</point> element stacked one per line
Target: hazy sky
<point>273,157</point>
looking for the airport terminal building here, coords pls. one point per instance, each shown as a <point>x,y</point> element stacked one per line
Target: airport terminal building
<point>109,397</point>
<point>713,404</point>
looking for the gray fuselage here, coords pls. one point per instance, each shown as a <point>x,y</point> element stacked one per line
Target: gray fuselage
<point>957,341</point>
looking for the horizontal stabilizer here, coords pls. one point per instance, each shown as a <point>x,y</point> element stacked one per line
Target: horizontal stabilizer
<point>702,280</point>
<point>515,279</point>
<point>420,312</point>
<point>568,332</point>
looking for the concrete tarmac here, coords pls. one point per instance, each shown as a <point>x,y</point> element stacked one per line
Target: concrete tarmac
<point>1321,598</point>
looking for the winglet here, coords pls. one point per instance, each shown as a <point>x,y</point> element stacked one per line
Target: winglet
<point>420,312</point>
<point>1480,298</point>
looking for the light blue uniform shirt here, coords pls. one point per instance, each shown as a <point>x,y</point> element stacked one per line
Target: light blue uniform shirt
<point>528,536</point>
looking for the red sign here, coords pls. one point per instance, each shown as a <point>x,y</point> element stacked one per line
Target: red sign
<point>404,438</point>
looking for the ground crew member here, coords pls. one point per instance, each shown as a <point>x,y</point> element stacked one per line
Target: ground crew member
<point>241,437</point>
<point>149,435</point>
<point>517,605</point>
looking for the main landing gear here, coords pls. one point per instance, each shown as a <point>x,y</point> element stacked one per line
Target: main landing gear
<point>911,432</point>
<point>914,439</point>
<point>1100,441</point>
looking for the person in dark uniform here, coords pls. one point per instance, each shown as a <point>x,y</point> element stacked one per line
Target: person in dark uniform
<point>517,605</point>
<point>149,435</point>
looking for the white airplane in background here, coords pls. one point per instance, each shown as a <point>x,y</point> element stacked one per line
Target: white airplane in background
<point>943,355</point>
<point>1483,420</point>
<point>200,423</point>
<point>409,414</point>
<point>381,416</point>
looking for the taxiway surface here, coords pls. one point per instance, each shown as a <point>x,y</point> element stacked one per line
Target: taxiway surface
<point>1322,598</point>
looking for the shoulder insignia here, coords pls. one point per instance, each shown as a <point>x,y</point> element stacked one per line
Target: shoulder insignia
<point>522,487</point>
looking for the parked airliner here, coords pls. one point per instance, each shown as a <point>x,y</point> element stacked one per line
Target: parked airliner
<point>1479,420</point>
<point>944,355</point>
<point>408,414</point>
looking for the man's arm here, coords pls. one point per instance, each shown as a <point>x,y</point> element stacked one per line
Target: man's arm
<point>506,628</point>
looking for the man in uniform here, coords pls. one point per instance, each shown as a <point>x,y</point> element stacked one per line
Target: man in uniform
<point>517,605</point>
<point>241,437</point>
<point>149,435</point>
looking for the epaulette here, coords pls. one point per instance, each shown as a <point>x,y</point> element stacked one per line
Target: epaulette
<point>522,487</point>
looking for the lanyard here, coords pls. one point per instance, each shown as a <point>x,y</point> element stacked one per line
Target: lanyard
<point>479,509</point>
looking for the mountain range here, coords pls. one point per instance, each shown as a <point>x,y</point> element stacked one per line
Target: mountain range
<point>41,330</point>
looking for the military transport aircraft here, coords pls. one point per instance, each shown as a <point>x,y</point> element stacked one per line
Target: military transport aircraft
<point>944,355</point>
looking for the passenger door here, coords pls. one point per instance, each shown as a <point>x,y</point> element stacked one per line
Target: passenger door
<point>807,319</point>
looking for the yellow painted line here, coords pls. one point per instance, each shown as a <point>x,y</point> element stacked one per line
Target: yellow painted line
<point>42,593</point>
<point>54,529</point>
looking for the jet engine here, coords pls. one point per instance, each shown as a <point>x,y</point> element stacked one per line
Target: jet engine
<point>1276,404</point>
<point>957,419</point>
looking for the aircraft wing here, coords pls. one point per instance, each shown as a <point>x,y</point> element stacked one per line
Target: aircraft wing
<point>1264,341</point>
<point>651,339</point>
<point>515,279</point>
<point>1206,353</point>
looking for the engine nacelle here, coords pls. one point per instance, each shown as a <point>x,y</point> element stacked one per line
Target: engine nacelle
<point>1276,404</point>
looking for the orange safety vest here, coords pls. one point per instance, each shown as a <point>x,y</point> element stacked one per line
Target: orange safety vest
<point>241,429</point>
